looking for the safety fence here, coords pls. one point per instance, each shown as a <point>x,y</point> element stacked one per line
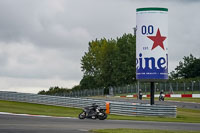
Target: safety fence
<point>123,108</point>
<point>192,87</point>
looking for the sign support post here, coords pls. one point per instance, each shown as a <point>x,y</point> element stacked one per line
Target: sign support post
<point>152,92</point>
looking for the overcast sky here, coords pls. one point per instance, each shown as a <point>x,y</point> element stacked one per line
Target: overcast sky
<point>42,41</point>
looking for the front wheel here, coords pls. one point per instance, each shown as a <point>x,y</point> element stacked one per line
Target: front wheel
<point>82,115</point>
<point>102,116</point>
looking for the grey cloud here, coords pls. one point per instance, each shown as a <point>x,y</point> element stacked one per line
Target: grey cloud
<point>45,40</point>
<point>27,61</point>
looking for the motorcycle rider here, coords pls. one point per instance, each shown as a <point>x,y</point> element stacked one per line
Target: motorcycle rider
<point>161,92</point>
<point>161,97</point>
<point>140,94</point>
<point>93,112</point>
<point>92,109</point>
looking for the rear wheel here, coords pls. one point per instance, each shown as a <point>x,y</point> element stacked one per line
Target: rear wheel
<point>82,115</point>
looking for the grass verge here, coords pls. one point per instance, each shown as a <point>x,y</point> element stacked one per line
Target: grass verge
<point>183,115</point>
<point>196,100</point>
<point>37,109</point>
<point>122,130</point>
<point>184,99</point>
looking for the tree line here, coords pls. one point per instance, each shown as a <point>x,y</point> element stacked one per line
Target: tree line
<point>188,68</point>
<point>112,62</point>
<point>109,63</point>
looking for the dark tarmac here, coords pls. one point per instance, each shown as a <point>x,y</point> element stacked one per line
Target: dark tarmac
<point>32,124</point>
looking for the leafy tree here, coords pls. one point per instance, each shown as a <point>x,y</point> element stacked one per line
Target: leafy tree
<point>109,62</point>
<point>126,60</point>
<point>76,87</point>
<point>87,82</point>
<point>54,90</point>
<point>42,92</point>
<point>189,68</point>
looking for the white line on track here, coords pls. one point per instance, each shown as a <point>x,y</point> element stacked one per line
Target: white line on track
<point>83,130</point>
<point>6,113</point>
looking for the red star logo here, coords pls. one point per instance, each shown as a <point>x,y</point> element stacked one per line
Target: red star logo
<point>158,40</point>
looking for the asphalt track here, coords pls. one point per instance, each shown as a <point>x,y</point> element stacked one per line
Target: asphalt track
<point>35,124</point>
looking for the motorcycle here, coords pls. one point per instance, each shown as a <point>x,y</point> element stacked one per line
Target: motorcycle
<point>162,97</point>
<point>93,113</point>
<point>140,95</point>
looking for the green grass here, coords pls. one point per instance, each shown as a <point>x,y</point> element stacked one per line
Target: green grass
<point>37,109</point>
<point>183,115</point>
<point>184,99</point>
<point>123,130</point>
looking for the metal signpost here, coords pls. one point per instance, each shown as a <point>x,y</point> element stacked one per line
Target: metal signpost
<point>151,45</point>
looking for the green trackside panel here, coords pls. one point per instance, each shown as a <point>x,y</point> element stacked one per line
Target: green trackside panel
<point>152,9</point>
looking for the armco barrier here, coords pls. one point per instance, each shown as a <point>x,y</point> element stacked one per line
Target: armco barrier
<point>123,108</point>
